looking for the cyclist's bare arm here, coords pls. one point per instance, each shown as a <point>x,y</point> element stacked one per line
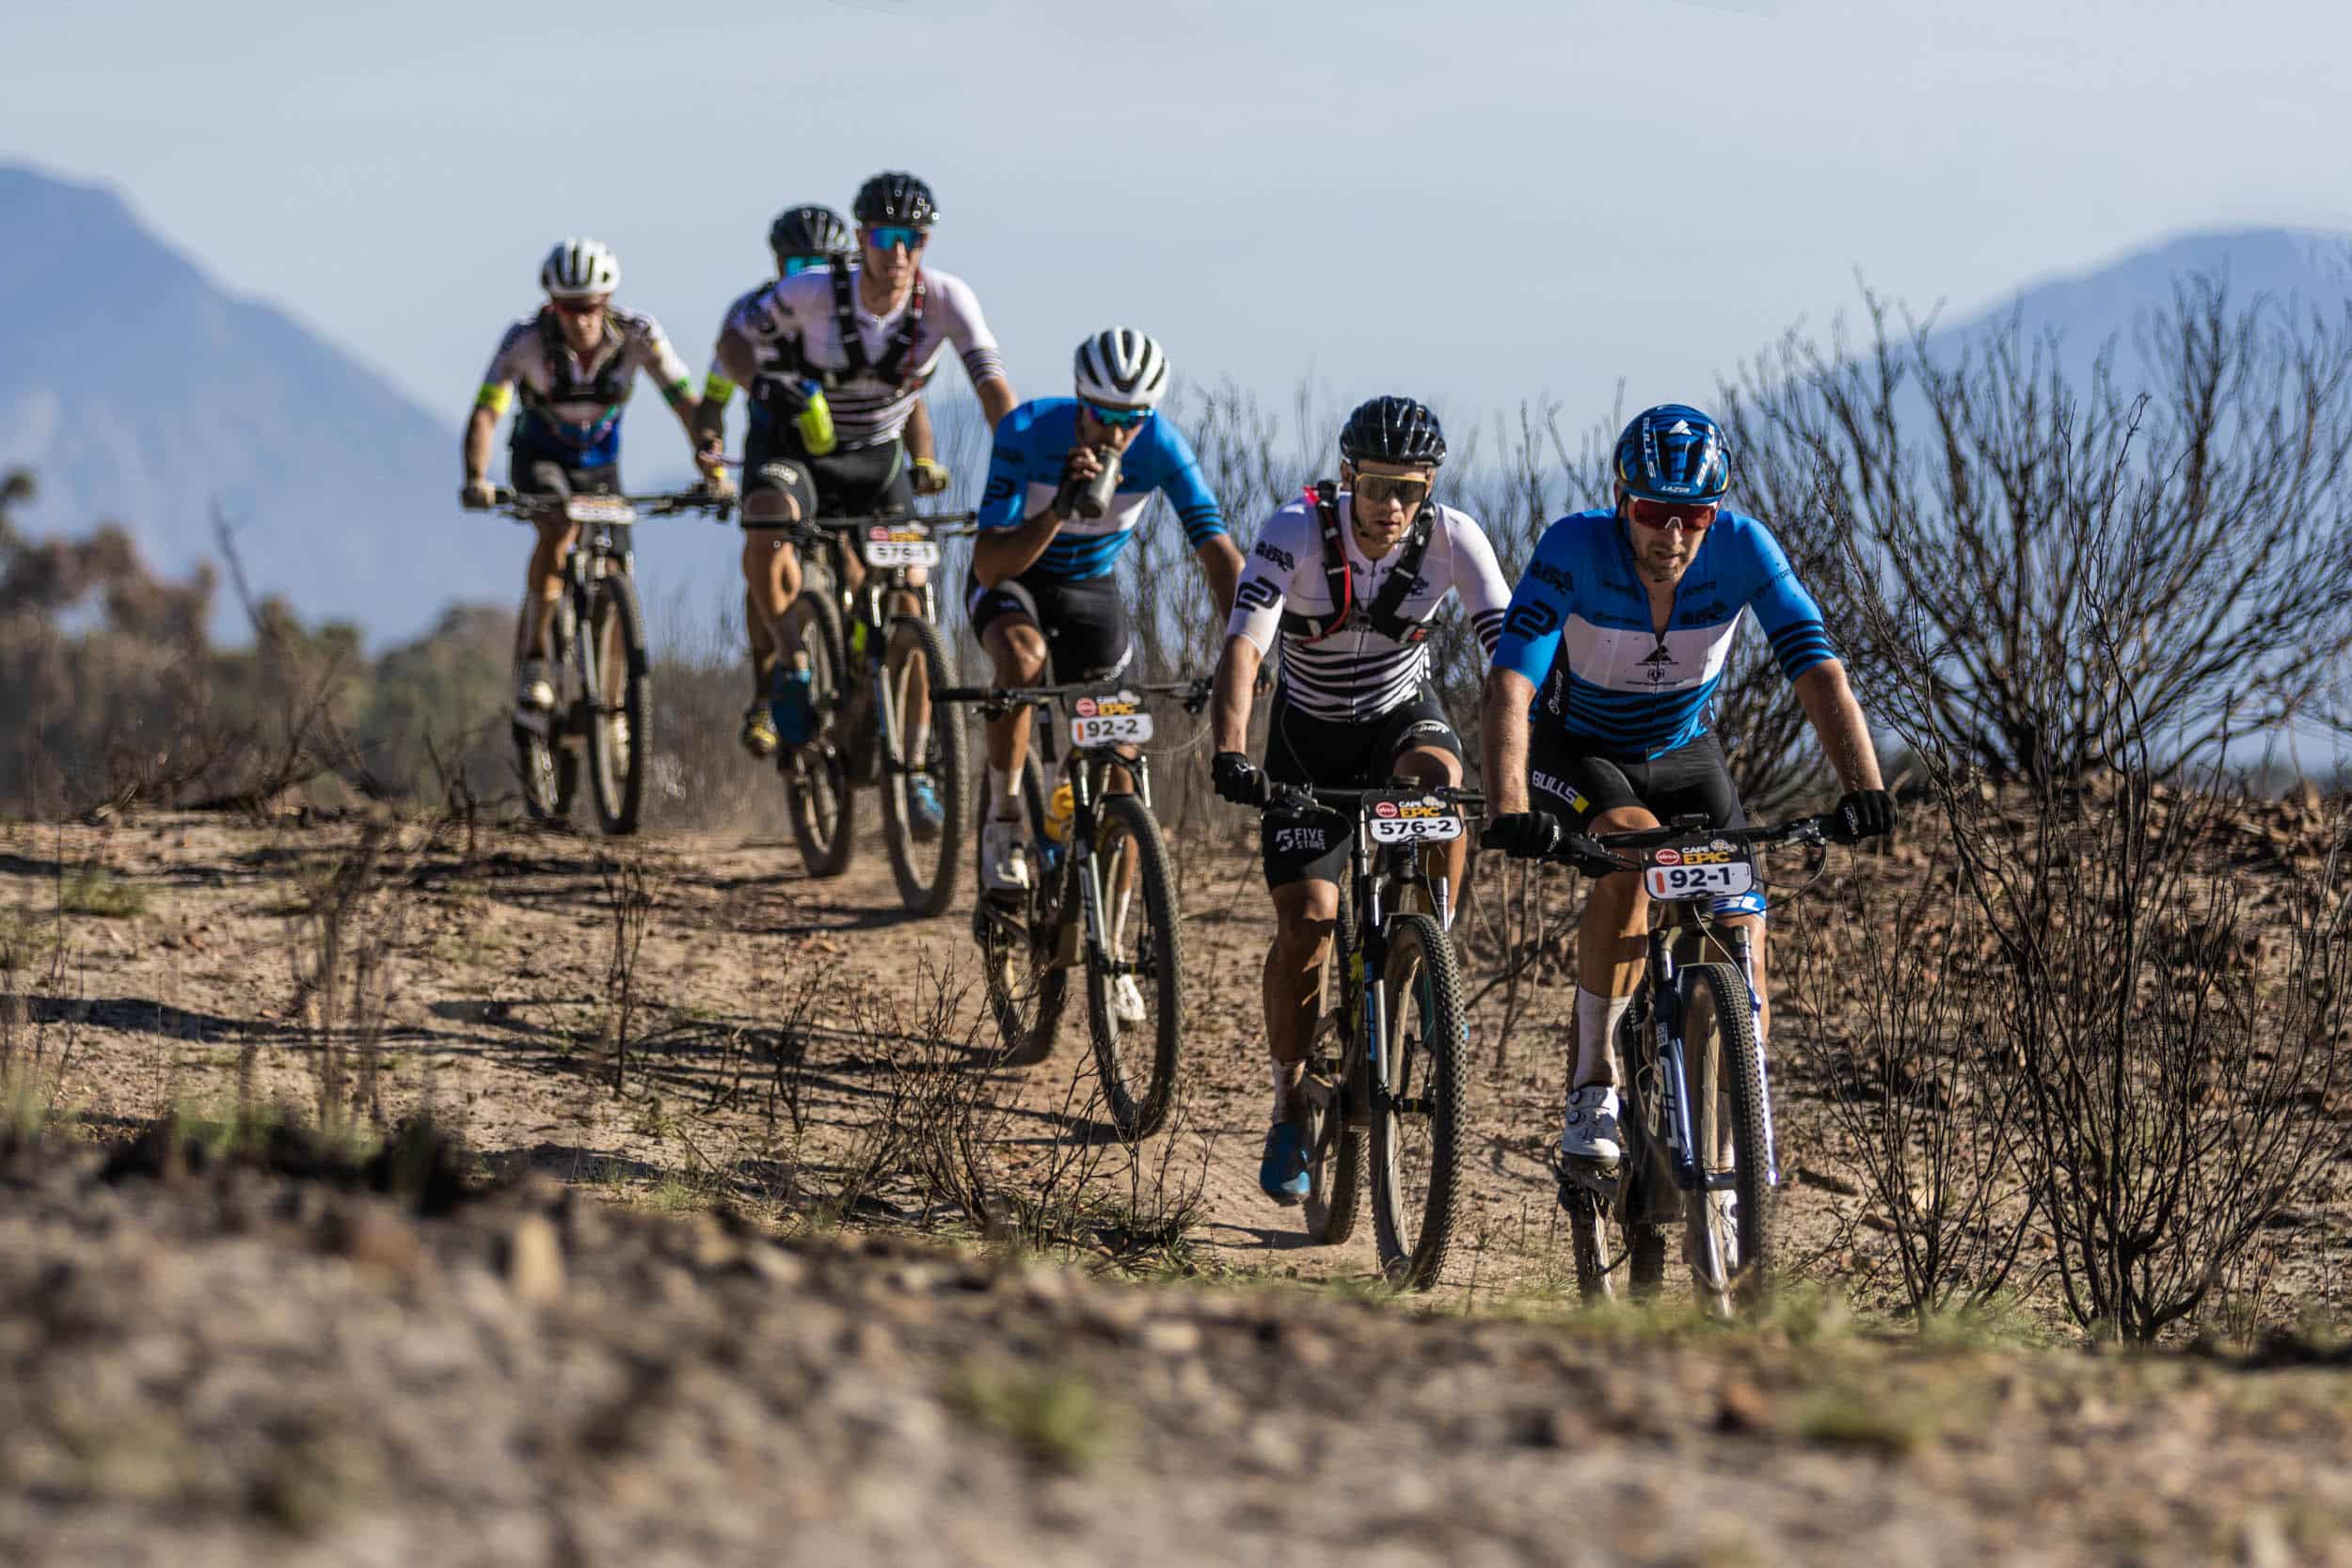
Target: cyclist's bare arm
<point>1503,715</point>
<point>920,445</point>
<point>1837,718</point>
<point>1220,563</point>
<point>481,426</point>
<point>999,554</point>
<point>996,398</point>
<point>1229,705</point>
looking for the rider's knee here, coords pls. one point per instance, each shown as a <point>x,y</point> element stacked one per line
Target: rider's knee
<point>1019,652</point>
<point>1430,767</point>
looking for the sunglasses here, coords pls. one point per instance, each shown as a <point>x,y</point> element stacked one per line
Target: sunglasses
<point>896,237</point>
<point>580,307</point>
<point>1380,489</point>
<point>1117,419</point>
<point>795,265</point>
<point>1659,514</point>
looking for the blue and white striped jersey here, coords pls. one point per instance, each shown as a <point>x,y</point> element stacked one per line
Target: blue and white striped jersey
<point>1579,628</point>
<point>1025,472</point>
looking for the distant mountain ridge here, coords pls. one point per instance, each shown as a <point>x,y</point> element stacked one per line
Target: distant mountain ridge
<point>140,390</point>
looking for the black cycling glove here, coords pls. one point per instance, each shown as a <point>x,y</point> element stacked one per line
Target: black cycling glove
<point>1863,813</point>
<point>1521,832</point>
<point>1239,780</point>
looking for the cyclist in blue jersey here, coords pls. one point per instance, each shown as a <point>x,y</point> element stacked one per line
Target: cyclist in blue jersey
<point>1624,622</point>
<point>1042,593</point>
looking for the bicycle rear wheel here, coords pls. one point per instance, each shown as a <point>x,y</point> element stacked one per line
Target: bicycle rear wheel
<point>620,710</point>
<point>1136,1055</point>
<point>817,788</point>
<point>1727,1230</point>
<point>1417,1121</point>
<point>549,772</point>
<point>922,858</point>
<point>1335,1146</point>
<point>1020,936</point>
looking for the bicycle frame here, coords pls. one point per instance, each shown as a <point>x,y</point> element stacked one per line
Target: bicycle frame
<point>866,612</point>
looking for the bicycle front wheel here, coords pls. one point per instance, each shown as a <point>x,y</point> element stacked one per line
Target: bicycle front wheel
<point>620,706</point>
<point>923,768</point>
<point>549,772</point>
<point>1020,936</point>
<point>1134,979</point>
<point>1335,1144</point>
<point>1727,1230</point>
<point>816,788</point>
<point>1416,1119</point>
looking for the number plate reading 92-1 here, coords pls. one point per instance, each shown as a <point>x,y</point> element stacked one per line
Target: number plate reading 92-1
<point>1714,870</point>
<point>1111,719</point>
<point>1407,820</point>
<point>900,546</point>
<point>599,508</point>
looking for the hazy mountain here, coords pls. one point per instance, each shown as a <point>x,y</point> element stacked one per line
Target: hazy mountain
<point>140,389</point>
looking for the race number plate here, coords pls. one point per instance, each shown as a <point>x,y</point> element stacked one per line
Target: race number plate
<point>1111,718</point>
<point>1715,870</point>
<point>599,509</point>
<point>903,546</point>
<point>1408,819</point>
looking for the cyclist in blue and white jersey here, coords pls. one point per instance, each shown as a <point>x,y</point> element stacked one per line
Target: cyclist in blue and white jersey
<point>1624,620</point>
<point>1350,580</point>
<point>837,359</point>
<point>574,364</point>
<point>1042,593</point>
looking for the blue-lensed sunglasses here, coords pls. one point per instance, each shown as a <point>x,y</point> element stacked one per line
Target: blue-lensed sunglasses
<point>795,265</point>
<point>896,237</point>
<point>1117,419</point>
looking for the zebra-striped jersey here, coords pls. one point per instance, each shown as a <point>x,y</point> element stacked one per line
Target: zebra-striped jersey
<point>1356,673</point>
<point>791,321</point>
<point>1581,629</point>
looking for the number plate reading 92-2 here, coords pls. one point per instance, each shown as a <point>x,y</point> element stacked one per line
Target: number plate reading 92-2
<point>1111,719</point>
<point>599,508</point>
<point>1405,820</point>
<point>1703,870</point>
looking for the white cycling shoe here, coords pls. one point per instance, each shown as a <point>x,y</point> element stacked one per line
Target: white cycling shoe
<point>1127,1000</point>
<point>534,693</point>
<point>1589,1130</point>
<point>1004,858</point>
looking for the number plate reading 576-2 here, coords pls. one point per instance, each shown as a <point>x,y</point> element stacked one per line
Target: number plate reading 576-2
<point>1408,821</point>
<point>1110,720</point>
<point>1714,870</point>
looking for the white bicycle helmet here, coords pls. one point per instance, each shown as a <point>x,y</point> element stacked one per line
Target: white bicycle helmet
<point>579,268</point>
<point>1121,368</point>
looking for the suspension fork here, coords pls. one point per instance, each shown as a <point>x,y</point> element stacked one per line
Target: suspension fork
<point>1741,949</point>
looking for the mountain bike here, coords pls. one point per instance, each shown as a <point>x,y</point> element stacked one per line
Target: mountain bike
<point>877,720</point>
<point>1386,1064</point>
<point>1091,855</point>
<point>1695,1108</point>
<point>603,710</point>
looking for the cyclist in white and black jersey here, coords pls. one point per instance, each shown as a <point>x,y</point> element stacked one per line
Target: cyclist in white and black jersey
<point>1349,580</point>
<point>574,364</point>
<point>836,360</point>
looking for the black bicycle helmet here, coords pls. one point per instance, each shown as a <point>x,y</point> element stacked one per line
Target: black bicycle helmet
<point>895,197</point>
<point>1392,430</point>
<point>810,232</point>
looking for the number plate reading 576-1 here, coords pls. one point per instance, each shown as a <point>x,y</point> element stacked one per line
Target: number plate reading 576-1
<point>1411,821</point>
<point>900,546</point>
<point>1111,718</point>
<point>1703,870</point>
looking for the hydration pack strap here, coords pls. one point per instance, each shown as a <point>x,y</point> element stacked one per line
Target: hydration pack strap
<point>892,367</point>
<point>1385,614</point>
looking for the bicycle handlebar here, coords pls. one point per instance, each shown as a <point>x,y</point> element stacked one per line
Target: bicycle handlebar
<point>660,504</point>
<point>1290,798</point>
<point>1603,854</point>
<point>997,701</point>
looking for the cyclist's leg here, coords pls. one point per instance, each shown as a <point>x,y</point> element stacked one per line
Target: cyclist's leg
<point>1595,795</point>
<point>1088,639</point>
<point>1696,782</point>
<point>1005,618</point>
<point>1306,859</point>
<point>1422,747</point>
<point>776,491</point>
<point>542,584</point>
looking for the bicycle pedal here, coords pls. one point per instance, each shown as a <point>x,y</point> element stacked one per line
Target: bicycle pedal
<point>1600,1180</point>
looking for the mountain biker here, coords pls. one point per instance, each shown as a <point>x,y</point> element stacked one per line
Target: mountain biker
<point>573,365</point>
<point>1351,578</point>
<point>837,359</point>
<point>1625,621</point>
<point>1041,591</point>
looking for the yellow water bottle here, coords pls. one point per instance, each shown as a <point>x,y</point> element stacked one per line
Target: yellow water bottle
<point>816,421</point>
<point>1057,812</point>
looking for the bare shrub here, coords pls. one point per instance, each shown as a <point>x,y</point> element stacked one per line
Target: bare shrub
<point>629,904</point>
<point>349,927</point>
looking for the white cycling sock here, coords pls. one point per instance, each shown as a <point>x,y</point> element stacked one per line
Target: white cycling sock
<point>1596,1021</point>
<point>1003,807</point>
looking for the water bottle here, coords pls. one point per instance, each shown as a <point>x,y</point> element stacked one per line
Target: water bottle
<point>814,421</point>
<point>1059,810</point>
<point>1094,498</point>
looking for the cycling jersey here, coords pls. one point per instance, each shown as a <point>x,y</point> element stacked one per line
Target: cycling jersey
<point>789,331</point>
<point>1358,671</point>
<point>1579,628</point>
<point>571,407</point>
<point>1025,472</point>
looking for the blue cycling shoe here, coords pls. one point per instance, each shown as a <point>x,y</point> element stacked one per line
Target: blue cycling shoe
<point>792,708</point>
<point>1282,1174</point>
<point>924,812</point>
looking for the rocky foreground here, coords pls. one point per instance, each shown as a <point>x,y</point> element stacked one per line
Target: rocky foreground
<point>273,1361</point>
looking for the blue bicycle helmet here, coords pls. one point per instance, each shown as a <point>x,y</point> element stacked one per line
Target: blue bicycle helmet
<point>1673,452</point>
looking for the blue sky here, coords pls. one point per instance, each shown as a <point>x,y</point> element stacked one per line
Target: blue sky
<point>1478,202</point>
